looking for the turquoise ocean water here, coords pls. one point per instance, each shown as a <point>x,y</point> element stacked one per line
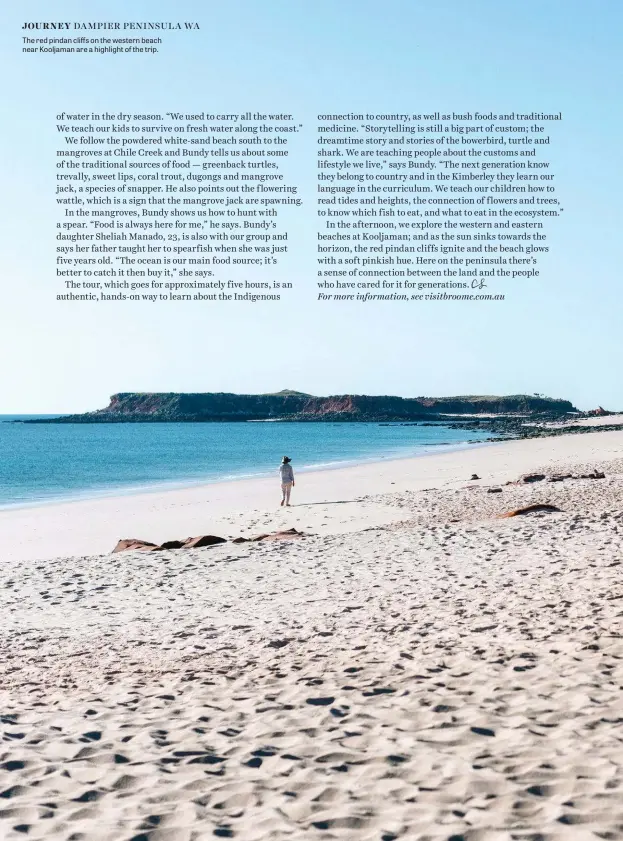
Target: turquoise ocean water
<point>46,462</point>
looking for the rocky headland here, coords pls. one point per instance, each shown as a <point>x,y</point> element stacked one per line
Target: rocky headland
<point>149,407</point>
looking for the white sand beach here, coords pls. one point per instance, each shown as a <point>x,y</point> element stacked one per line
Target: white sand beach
<point>415,667</point>
<point>324,502</point>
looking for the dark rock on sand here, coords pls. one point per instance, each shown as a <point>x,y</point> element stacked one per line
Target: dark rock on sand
<point>202,540</point>
<point>596,474</point>
<point>133,545</point>
<point>529,509</point>
<point>528,478</point>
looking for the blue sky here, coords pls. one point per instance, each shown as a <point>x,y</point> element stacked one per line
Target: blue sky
<point>558,334</point>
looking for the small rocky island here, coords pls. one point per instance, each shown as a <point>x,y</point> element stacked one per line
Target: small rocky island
<point>287,405</point>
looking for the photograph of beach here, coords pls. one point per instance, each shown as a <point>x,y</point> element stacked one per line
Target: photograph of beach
<point>311,421</point>
<point>425,644</point>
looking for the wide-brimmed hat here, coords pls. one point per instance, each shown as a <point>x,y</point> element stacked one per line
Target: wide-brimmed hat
<point>285,459</point>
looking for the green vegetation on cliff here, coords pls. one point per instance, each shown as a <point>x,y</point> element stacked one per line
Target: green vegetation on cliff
<point>137,407</point>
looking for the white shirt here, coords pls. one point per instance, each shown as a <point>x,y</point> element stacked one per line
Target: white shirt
<point>286,473</point>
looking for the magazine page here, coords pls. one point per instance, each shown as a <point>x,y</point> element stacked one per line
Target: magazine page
<point>310,475</point>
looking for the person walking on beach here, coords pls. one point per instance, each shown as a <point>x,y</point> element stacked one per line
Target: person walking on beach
<point>287,480</point>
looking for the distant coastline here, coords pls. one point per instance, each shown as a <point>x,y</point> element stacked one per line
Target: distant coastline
<point>149,407</point>
<point>512,416</point>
